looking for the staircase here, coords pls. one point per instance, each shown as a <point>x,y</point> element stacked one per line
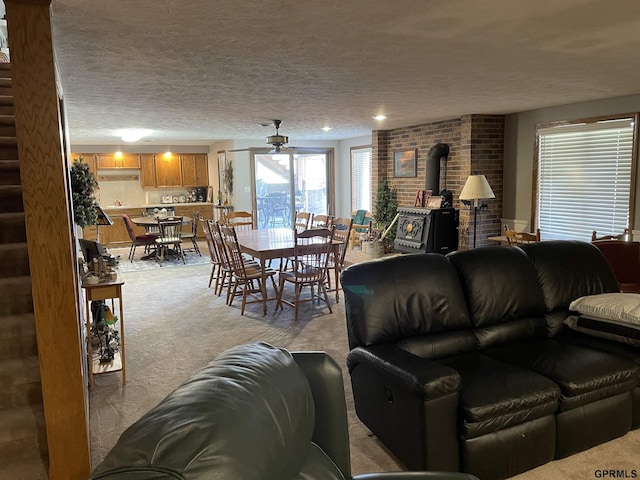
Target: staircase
<point>23,442</point>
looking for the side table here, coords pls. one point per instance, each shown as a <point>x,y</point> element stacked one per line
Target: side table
<point>104,290</point>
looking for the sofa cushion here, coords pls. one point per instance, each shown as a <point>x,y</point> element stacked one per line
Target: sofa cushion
<point>495,395</point>
<point>319,465</point>
<point>503,295</point>
<point>584,375</point>
<point>207,428</point>
<point>400,297</point>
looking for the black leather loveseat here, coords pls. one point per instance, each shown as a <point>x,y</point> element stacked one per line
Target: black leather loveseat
<point>464,363</point>
<point>254,413</point>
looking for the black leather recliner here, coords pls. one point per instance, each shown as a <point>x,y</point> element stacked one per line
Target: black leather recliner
<point>461,363</point>
<point>255,412</point>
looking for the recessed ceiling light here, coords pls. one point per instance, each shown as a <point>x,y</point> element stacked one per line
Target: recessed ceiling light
<point>379,117</point>
<point>326,129</point>
<point>133,134</point>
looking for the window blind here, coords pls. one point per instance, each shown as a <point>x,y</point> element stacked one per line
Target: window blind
<point>584,179</point>
<point>361,178</point>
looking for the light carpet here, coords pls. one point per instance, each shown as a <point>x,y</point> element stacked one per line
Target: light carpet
<point>174,325</point>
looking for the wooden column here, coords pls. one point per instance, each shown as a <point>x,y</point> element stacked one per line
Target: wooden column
<point>50,236</point>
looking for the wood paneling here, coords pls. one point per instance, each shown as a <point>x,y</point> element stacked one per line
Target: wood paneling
<point>44,170</point>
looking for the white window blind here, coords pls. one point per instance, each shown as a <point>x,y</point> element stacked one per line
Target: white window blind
<point>584,179</point>
<point>361,178</point>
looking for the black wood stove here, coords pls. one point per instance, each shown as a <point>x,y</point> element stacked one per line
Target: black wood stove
<point>422,230</point>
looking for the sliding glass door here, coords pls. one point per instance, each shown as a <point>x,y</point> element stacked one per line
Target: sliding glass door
<point>288,182</point>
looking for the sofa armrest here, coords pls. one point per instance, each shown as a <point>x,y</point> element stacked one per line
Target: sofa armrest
<point>415,476</point>
<point>421,376</point>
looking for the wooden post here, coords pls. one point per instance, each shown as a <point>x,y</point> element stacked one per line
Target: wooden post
<point>44,173</point>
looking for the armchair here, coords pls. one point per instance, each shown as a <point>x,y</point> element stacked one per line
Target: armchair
<point>207,428</point>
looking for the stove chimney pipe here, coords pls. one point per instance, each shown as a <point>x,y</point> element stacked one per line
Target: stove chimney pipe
<point>435,155</point>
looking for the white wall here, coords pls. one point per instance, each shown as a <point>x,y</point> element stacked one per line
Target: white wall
<point>520,145</point>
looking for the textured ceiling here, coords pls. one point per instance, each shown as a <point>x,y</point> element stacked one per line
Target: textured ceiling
<point>199,71</point>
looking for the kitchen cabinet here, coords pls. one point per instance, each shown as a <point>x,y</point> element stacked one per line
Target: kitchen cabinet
<point>204,210</point>
<point>89,159</point>
<point>124,160</point>
<point>195,171</point>
<point>115,235</point>
<point>168,170</point>
<point>147,171</point>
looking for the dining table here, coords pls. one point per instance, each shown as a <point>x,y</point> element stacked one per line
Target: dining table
<point>151,221</point>
<point>266,244</point>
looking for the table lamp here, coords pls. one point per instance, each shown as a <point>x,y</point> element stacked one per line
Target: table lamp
<point>476,188</point>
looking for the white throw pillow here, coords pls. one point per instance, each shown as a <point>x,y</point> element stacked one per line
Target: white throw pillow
<point>617,307</point>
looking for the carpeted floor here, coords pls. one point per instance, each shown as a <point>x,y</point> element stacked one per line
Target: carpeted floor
<point>174,325</point>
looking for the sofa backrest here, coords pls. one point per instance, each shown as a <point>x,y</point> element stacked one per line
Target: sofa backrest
<point>567,270</point>
<point>415,297</point>
<point>503,296</point>
<point>248,414</point>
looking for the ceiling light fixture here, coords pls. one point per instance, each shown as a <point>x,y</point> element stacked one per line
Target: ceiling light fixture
<point>133,134</point>
<point>277,140</point>
<point>326,129</point>
<point>380,117</point>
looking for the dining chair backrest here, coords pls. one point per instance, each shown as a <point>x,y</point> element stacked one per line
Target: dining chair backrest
<point>219,245</point>
<point>311,253</point>
<point>623,236</point>
<point>232,247</point>
<point>208,235</point>
<point>170,229</point>
<point>320,220</point>
<point>239,220</point>
<point>129,226</point>
<point>341,233</point>
<point>194,222</point>
<point>302,220</point>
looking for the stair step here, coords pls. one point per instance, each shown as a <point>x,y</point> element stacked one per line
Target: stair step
<point>8,130</point>
<point>18,336</point>
<point>6,109</point>
<point>26,469</point>
<point>5,90</point>
<point>9,152</point>
<point>14,259</point>
<point>23,434</point>
<point>11,198</point>
<point>9,172</point>
<point>5,81</point>
<point>7,119</point>
<point>20,382</point>
<point>12,228</point>
<point>6,100</point>
<point>15,295</point>
<point>10,141</point>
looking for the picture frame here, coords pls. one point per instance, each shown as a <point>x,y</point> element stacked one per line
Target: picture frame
<point>404,163</point>
<point>434,201</point>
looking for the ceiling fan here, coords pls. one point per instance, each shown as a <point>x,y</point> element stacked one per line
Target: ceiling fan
<point>278,141</point>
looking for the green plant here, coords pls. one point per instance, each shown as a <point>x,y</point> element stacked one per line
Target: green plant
<point>84,202</point>
<point>228,178</point>
<point>386,208</point>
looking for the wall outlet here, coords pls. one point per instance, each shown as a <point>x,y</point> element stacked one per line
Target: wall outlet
<point>247,189</point>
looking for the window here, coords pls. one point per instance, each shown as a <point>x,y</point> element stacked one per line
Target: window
<point>361,178</point>
<point>584,178</point>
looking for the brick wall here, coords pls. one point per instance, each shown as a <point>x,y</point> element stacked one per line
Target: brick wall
<point>476,145</point>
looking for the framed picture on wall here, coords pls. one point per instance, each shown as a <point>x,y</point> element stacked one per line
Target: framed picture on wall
<point>404,163</point>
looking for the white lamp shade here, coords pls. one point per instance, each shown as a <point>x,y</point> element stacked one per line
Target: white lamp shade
<point>476,188</point>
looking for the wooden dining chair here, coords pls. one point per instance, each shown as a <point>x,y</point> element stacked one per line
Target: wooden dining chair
<point>225,273</point>
<point>311,254</point>
<point>213,253</point>
<point>239,220</point>
<point>247,277</point>
<point>147,240</point>
<point>170,236</point>
<point>193,234</point>
<point>623,236</point>
<point>301,221</point>
<point>360,228</point>
<point>341,235</point>
<point>518,238</point>
<point>320,221</point>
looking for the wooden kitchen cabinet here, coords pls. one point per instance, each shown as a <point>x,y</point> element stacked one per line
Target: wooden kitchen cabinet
<point>168,170</point>
<point>147,171</point>
<point>205,211</point>
<point>110,160</point>
<point>89,159</point>
<point>195,170</point>
<point>115,235</point>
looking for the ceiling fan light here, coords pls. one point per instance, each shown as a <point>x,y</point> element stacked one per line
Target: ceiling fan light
<point>277,140</point>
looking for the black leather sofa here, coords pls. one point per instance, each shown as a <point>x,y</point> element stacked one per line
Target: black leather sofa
<point>463,362</point>
<point>254,413</point>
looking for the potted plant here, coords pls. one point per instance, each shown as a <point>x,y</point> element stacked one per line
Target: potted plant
<point>83,183</point>
<point>386,209</point>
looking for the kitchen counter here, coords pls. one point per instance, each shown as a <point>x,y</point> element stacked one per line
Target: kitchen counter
<point>157,205</point>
